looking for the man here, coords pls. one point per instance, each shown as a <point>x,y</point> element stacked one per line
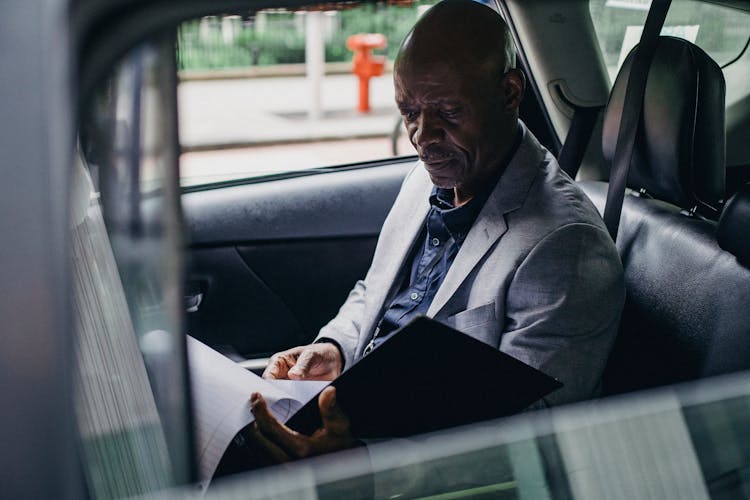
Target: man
<point>487,235</point>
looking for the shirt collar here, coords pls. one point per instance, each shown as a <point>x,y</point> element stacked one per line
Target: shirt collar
<point>459,219</point>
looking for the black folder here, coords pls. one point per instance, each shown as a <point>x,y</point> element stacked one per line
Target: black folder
<point>427,377</point>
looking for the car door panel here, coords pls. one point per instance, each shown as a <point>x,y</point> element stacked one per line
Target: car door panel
<point>272,261</point>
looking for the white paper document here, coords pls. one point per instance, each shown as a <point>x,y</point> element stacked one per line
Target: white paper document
<point>221,401</point>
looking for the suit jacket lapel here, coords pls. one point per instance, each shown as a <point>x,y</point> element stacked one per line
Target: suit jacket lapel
<point>410,220</point>
<point>509,194</point>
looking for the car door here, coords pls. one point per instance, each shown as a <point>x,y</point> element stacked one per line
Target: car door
<point>271,261</point>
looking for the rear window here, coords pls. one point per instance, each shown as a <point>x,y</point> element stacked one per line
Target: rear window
<point>721,31</point>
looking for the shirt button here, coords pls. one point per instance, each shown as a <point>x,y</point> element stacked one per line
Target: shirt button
<point>414,295</point>
<point>435,241</point>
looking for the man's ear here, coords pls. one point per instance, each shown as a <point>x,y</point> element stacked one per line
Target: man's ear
<point>513,87</point>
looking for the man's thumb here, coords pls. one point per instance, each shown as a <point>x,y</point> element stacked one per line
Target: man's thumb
<point>330,412</point>
<point>302,366</point>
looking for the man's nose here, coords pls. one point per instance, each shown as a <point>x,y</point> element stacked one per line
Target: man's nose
<point>428,131</point>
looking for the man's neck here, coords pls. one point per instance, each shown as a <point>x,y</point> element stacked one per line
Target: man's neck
<point>460,198</point>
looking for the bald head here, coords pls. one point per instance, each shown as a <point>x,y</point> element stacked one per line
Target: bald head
<point>459,95</point>
<point>463,33</point>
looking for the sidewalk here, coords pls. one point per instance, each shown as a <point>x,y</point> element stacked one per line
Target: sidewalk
<point>219,114</point>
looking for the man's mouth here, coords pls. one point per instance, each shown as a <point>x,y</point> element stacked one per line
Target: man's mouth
<point>437,158</point>
<point>437,165</point>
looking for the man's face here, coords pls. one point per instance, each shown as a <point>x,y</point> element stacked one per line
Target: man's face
<point>454,120</point>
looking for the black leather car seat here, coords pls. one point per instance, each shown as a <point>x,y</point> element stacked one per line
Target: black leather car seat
<point>686,313</point>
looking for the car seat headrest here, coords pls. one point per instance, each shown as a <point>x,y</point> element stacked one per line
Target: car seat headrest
<point>679,149</point>
<point>732,233</point>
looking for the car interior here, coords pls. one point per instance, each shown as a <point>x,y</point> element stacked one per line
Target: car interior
<point>255,269</point>
<point>263,263</point>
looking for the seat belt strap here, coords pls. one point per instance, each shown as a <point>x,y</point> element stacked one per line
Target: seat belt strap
<point>578,138</point>
<point>631,114</point>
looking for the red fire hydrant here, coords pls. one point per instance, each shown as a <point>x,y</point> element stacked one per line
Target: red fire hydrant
<point>366,65</point>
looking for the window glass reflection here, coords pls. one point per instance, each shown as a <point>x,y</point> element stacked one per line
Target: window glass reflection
<point>131,401</point>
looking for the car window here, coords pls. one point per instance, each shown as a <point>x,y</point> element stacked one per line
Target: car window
<point>687,442</point>
<point>274,90</point>
<point>721,31</point>
<point>691,443</point>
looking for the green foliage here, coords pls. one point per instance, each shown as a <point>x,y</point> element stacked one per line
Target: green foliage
<point>279,37</point>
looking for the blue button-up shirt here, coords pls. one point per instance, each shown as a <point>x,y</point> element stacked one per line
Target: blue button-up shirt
<point>441,239</point>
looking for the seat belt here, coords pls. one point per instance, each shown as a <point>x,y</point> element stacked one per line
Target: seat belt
<point>577,140</point>
<point>631,114</point>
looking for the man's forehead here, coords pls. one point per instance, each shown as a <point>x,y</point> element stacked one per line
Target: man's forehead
<point>432,76</point>
<point>419,65</point>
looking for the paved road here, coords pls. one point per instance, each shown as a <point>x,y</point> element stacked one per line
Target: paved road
<point>238,128</point>
<point>258,111</point>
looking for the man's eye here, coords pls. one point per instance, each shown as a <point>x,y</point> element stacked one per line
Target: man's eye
<point>409,115</point>
<point>450,113</point>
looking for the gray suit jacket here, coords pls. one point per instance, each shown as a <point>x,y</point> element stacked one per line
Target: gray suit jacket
<point>537,276</point>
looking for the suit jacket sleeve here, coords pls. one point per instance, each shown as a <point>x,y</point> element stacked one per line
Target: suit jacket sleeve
<point>347,327</point>
<point>563,308</point>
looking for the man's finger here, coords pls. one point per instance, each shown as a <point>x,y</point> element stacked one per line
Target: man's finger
<point>279,364</point>
<point>273,370</point>
<point>301,368</point>
<point>258,442</point>
<point>291,442</point>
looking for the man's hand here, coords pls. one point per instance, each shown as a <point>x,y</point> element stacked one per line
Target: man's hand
<point>320,361</point>
<point>283,444</point>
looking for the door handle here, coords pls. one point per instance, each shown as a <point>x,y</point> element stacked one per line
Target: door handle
<point>193,302</point>
<point>194,292</point>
